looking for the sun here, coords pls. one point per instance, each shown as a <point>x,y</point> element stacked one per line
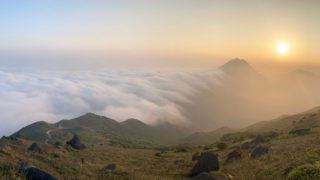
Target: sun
<point>282,48</point>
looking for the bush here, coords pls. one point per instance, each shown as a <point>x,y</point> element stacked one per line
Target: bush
<point>221,145</point>
<point>305,172</point>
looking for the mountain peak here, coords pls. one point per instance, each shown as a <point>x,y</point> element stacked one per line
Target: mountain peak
<point>133,121</point>
<point>235,63</point>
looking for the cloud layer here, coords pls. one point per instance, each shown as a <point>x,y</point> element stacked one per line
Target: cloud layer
<point>52,96</point>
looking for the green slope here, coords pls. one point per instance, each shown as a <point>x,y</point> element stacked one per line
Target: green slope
<point>94,129</point>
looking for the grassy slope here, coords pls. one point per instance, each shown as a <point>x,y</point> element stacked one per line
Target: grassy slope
<point>199,138</point>
<point>286,152</point>
<point>96,129</point>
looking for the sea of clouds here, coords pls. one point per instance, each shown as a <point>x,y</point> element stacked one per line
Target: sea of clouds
<point>27,97</point>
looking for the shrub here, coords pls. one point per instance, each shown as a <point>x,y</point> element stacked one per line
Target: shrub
<point>221,145</point>
<point>305,172</point>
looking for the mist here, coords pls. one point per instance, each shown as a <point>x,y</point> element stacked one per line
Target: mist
<point>203,99</point>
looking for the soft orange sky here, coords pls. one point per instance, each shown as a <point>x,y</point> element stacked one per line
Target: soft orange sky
<point>199,31</point>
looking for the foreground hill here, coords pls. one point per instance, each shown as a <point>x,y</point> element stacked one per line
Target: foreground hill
<point>97,130</point>
<point>283,148</point>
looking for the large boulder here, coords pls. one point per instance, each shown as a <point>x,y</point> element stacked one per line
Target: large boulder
<point>234,155</point>
<point>76,143</point>
<point>35,148</point>
<point>259,151</point>
<point>33,173</point>
<point>208,176</point>
<point>208,162</point>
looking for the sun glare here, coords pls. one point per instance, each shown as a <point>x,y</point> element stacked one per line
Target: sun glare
<point>282,48</point>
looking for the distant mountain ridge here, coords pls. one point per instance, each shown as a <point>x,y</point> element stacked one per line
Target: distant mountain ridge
<point>95,129</point>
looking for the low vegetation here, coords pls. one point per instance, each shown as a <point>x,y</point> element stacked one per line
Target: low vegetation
<point>280,153</point>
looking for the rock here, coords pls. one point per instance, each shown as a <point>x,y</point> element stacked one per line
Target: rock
<point>234,155</point>
<point>259,151</point>
<point>196,156</point>
<point>158,154</point>
<point>35,148</point>
<point>178,161</point>
<point>208,176</point>
<point>55,155</point>
<point>258,140</point>
<point>76,143</point>
<point>208,162</point>
<point>111,167</point>
<point>33,173</point>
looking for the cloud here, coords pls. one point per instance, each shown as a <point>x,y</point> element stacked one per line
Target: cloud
<point>51,96</point>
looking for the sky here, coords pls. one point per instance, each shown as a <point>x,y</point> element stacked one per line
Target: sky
<point>142,59</point>
<point>197,32</point>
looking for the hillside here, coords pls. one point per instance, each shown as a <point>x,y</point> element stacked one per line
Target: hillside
<point>95,129</point>
<point>199,138</point>
<point>283,148</point>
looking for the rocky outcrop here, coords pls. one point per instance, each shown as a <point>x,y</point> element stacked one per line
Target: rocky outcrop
<point>208,162</point>
<point>258,140</point>
<point>35,148</point>
<point>234,155</point>
<point>76,143</point>
<point>259,151</point>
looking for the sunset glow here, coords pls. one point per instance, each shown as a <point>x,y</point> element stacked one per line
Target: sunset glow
<point>282,48</point>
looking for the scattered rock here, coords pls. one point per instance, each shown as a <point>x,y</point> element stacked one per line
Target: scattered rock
<point>35,148</point>
<point>76,143</point>
<point>196,156</point>
<point>208,162</point>
<point>33,173</point>
<point>259,151</point>
<point>258,140</point>
<point>234,155</point>
<point>208,176</point>
<point>111,167</point>
<point>178,161</point>
<point>55,155</point>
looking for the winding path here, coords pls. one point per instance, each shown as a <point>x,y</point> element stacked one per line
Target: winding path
<point>49,136</point>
